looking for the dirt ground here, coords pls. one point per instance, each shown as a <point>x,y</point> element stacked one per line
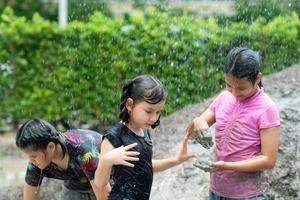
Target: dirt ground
<point>187,182</point>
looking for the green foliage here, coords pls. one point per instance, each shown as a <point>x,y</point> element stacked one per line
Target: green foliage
<point>27,8</point>
<point>250,10</point>
<point>77,73</point>
<point>83,9</point>
<point>77,9</point>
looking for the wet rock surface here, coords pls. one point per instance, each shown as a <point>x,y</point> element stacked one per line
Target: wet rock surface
<point>189,182</point>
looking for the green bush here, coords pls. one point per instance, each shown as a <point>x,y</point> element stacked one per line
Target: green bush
<point>251,10</point>
<point>77,73</point>
<point>77,9</point>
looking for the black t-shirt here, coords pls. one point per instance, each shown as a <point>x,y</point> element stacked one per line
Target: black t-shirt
<point>131,183</point>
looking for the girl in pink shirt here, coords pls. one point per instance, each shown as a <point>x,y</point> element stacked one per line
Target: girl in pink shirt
<point>247,130</point>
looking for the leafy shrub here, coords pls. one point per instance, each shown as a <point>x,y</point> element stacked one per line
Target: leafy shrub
<point>77,73</point>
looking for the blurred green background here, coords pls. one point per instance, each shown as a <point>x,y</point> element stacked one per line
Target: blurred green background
<point>75,74</point>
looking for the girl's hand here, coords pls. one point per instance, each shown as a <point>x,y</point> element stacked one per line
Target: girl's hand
<point>218,166</point>
<point>121,156</point>
<point>183,154</point>
<point>197,128</point>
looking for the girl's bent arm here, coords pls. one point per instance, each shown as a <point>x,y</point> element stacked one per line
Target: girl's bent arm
<point>101,194</point>
<point>113,156</point>
<point>30,192</point>
<point>266,160</point>
<point>103,171</point>
<point>208,116</point>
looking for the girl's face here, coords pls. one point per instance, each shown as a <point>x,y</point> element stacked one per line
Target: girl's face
<point>40,158</point>
<point>143,114</point>
<point>241,88</point>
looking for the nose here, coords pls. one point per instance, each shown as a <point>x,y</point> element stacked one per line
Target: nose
<point>153,118</point>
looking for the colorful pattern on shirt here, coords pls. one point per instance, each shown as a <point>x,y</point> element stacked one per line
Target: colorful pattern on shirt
<point>83,147</point>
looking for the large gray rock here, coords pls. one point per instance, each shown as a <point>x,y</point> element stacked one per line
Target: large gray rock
<point>187,182</point>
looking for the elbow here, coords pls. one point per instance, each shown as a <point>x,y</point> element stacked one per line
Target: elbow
<point>270,164</point>
<point>99,184</point>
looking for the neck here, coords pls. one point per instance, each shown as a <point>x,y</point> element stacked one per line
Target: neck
<point>60,159</point>
<point>134,128</point>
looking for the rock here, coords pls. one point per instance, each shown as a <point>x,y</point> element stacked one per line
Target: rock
<point>187,182</point>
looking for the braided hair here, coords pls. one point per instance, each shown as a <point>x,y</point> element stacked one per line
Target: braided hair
<point>142,88</point>
<point>36,134</point>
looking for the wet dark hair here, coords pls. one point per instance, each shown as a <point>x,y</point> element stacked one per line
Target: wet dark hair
<point>243,62</point>
<point>36,134</point>
<point>142,88</point>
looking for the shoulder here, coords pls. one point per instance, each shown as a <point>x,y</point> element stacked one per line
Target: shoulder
<point>115,130</point>
<point>267,100</point>
<point>83,134</point>
<point>263,103</point>
<point>114,134</point>
<point>79,141</point>
<point>224,98</point>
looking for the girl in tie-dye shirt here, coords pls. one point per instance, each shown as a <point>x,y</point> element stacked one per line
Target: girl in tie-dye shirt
<point>71,156</point>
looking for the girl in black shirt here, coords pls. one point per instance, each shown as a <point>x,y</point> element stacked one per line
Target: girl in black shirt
<point>142,100</point>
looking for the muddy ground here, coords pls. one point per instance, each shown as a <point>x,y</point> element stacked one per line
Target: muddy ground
<point>188,182</point>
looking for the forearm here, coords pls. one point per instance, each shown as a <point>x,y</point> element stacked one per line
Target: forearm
<point>30,192</point>
<point>258,163</point>
<point>101,194</point>
<point>209,116</point>
<point>163,164</point>
<point>102,174</point>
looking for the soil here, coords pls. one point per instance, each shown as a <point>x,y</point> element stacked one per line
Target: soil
<point>190,181</point>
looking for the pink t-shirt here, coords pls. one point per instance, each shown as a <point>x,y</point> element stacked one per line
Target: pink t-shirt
<point>237,137</point>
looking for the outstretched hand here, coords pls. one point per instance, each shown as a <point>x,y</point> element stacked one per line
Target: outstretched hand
<point>122,155</point>
<point>184,155</point>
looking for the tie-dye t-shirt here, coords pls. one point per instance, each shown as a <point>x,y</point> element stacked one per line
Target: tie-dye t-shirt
<point>83,147</point>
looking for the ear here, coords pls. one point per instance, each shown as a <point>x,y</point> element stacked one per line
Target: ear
<point>258,78</point>
<point>129,104</point>
<point>51,147</point>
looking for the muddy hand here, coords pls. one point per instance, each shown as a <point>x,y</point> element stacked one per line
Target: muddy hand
<point>197,128</point>
<point>218,166</point>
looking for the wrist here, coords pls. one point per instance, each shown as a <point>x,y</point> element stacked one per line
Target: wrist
<point>105,160</point>
<point>177,160</point>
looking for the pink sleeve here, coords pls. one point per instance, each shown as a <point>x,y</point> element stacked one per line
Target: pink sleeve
<point>269,118</point>
<point>215,102</point>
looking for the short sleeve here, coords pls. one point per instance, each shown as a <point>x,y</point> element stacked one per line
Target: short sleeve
<point>33,175</point>
<point>216,102</point>
<point>269,118</point>
<point>113,136</point>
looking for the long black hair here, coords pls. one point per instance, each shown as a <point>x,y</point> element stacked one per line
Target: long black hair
<point>142,88</point>
<point>36,134</point>
<point>243,62</point>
